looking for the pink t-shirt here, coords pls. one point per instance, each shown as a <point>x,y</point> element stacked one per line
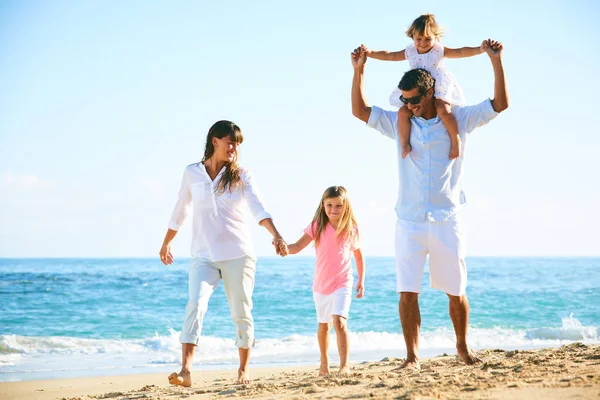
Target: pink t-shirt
<point>334,264</point>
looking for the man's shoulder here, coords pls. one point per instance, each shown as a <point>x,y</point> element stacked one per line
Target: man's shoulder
<point>378,112</point>
<point>464,107</point>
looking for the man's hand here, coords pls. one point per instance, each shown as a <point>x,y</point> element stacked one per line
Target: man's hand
<point>165,254</point>
<point>493,48</point>
<point>359,56</point>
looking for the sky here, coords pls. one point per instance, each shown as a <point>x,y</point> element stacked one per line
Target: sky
<point>104,103</point>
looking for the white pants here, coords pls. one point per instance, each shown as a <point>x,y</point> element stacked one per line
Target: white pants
<point>336,303</point>
<point>238,280</point>
<point>444,242</point>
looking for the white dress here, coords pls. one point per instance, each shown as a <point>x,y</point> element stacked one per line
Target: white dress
<point>446,86</point>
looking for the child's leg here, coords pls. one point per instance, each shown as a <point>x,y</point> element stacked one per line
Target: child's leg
<point>341,332</point>
<point>323,338</point>
<point>404,115</point>
<point>445,114</point>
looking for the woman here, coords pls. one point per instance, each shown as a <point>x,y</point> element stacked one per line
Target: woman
<point>222,248</point>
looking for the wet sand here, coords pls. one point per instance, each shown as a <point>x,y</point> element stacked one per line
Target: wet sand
<point>568,372</point>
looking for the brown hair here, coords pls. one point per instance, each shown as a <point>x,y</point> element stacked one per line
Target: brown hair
<point>417,78</point>
<point>425,25</point>
<point>345,228</point>
<point>230,179</point>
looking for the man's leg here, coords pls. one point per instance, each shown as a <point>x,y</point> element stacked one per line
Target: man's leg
<point>411,253</point>
<point>448,272</point>
<point>459,313</point>
<point>410,318</point>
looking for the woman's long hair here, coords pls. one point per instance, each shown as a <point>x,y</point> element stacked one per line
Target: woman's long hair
<point>230,179</point>
<point>347,224</point>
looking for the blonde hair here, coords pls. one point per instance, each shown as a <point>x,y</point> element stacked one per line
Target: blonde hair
<point>425,25</point>
<point>347,224</point>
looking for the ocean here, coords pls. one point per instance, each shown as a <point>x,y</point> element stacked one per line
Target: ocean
<point>88,317</point>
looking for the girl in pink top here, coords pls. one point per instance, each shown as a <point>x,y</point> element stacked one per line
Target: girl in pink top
<point>335,233</point>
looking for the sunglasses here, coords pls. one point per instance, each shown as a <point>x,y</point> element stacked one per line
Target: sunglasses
<point>412,100</point>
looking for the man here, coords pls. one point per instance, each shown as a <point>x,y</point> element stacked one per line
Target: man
<point>430,195</point>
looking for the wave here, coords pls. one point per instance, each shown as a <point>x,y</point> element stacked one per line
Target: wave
<point>166,349</point>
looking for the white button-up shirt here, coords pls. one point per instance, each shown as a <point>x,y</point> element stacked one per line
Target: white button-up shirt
<point>430,184</point>
<point>220,230</point>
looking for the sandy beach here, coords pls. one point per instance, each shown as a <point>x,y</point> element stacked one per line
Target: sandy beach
<point>569,372</point>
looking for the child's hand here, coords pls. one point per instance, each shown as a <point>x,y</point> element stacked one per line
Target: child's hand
<point>281,248</point>
<point>360,290</point>
<point>493,48</point>
<point>484,46</point>
<point>365,50</point>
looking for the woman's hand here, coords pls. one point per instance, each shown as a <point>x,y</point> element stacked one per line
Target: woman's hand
<point>165,254</point>
<point>281,248</point>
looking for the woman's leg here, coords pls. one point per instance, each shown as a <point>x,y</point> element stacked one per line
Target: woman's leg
<point>238,280</point>
<point>445,113</point>
<point>203,280</point>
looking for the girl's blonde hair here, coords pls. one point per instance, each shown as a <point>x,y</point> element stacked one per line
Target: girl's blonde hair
<point>425,25</point>
<point>347,224</point>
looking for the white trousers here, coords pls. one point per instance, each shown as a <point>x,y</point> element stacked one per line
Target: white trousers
<point>238,280</point>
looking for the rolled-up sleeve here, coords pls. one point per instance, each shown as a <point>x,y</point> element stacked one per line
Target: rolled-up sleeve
<point>252,196</point>
<point>471,117</point>
<point>183,205</point>
<point>384,121</point>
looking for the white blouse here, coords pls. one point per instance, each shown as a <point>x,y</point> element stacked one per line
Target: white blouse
<point>220,229</point>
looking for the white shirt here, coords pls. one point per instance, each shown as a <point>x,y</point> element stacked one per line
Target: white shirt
<point>430,184</point>
<point>220,230</point>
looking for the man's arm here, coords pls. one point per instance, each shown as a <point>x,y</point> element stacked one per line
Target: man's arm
<point>360,108</point>
<point>494,49</point>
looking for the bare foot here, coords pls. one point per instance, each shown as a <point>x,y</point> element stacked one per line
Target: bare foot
<point>345,370</point>
<point>324,369</point>
<point>406,148</point>
<point>182,379</point>
<point>455,149</point>
<point>243,377</point>
<point>408,365</point>
<point>468,356</point>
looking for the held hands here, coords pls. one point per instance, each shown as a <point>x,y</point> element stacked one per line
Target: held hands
<point>493,48</point>
<point>360,290</point>
<point>359,56</point>
<point>165,254</point>
<point>281,248</point>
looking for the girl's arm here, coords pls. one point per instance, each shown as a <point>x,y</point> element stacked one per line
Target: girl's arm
<point>360,266</point>
<point>297,247</point>
<point>463,52</point>
<point>384,54</point>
